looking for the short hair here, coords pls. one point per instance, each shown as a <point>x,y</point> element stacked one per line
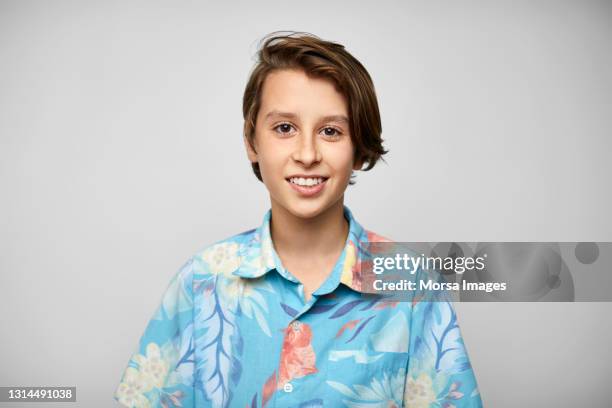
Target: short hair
<point>319,59</point>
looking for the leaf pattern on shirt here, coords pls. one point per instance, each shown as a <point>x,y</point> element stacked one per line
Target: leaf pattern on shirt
<point>218,347</point>
<point>445,339</point>
<point>348,325</point>
<point>268,389</point>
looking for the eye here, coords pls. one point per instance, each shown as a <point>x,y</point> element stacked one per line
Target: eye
<point>331,132</point>
<point>283,128</point>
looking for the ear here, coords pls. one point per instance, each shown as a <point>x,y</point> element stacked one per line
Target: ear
<point>251,153</point>
<point>358,165</point>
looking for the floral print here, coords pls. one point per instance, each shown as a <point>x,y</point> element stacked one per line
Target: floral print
<point>233,329</point>
<point>142,385</point>
<point>297,355</point>
<point>382,392</point>
<point>419,392</point>
<point>132,388</point>
<point>152,367</point>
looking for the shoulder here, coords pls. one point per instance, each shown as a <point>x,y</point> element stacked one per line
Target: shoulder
<point>224,256</point>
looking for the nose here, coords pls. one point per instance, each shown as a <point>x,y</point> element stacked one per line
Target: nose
<point>306,151</point>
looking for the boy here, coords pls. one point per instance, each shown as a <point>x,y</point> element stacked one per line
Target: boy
<point>278,316</point>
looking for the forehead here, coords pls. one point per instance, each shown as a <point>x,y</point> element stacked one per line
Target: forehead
<point>294,91</point>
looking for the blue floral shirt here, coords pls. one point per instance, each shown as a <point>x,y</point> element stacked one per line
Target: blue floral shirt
<point>233,330</point>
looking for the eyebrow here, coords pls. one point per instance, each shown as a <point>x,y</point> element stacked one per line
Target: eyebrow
<point>289,115</point>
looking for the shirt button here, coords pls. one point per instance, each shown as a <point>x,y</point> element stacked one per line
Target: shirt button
<point>288,387</point>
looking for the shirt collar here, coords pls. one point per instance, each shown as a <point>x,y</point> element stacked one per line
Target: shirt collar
<point>259,257</point>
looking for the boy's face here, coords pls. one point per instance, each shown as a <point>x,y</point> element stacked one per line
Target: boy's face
<point>302,143</point>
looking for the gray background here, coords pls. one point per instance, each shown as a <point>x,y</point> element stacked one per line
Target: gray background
<point>121,155</point>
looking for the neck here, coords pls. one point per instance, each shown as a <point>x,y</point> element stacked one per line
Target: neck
<point>324,234</point>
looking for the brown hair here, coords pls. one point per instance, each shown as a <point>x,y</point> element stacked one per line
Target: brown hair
<point>321,59</point>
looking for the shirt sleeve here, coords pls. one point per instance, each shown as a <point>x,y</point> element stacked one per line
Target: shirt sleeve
<point>160,372</point>
<point>439,372</point>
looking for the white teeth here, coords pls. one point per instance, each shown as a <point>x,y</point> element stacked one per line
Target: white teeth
<point>308,182</point>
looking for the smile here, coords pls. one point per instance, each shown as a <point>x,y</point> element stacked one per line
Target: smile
<point>307,186</point>
<point>307,182</point>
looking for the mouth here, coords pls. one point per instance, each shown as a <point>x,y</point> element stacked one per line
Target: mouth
<point>307,186</point>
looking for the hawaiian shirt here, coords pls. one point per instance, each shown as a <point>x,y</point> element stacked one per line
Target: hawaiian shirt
<point>234,330</point>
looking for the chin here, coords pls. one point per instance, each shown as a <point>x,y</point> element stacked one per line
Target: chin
<point>307,210</point>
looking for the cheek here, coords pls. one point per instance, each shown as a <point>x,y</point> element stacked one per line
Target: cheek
<point>272,158</point>
<point>342,159</point>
